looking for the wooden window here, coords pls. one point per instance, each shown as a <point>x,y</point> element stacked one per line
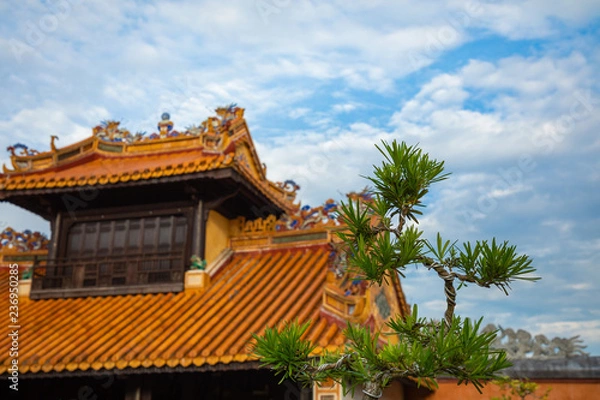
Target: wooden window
<point>144,251</point>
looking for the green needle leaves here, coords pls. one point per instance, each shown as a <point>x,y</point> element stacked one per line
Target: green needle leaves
<point>284,350</point>
<point>381,238</point>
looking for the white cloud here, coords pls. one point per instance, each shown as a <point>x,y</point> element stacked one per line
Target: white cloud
<point>508,191</point>
<point>561,226</point>
<point>324,167</point>
<point>588,329</point>
<point>522,107</point>
<point>34,127</point>
<point>580,286</point>
<point>299,112</point>
<point>343,108</point>
<point>534,18</point>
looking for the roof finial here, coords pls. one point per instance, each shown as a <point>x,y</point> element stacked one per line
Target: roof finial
<point>52,145</point>
<point>165,125</point>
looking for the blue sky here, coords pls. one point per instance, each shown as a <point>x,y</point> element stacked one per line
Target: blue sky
<point>506,92</point>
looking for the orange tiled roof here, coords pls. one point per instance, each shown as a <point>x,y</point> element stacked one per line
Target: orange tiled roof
<point>186,329</point>
<point>112,155</point>
<point>104,169</point>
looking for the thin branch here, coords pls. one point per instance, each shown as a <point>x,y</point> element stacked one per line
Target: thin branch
<point>344,360</point>
<point>449,290</point>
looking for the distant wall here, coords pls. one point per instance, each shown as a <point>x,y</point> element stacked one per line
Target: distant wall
<point>575,378</point>
<point>561,390</point>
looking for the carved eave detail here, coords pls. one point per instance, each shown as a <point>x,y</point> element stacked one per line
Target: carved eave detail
<point>347,298</point>
<point>343,306</point>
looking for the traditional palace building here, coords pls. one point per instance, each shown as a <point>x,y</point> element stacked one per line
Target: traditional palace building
<point>167,252</point>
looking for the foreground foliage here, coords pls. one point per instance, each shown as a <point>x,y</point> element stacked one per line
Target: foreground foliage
<point>520,388</point>
<point>382,239</point>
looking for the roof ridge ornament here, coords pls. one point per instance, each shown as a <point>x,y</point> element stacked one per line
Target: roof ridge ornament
<point>109,131</point>
<point>165,125</point>
<point>25,150</point>
<point>25,241</point>
<point>303,217</point>
<point>222,141</point>
<point>53,147</point>
<point>522,344</point>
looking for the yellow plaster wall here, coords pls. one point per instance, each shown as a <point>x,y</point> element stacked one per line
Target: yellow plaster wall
<point>327,391</point>
<point>217,235</point>
<point>244,151</point>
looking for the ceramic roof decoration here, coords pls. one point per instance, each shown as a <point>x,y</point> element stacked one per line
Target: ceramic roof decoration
<point>113,156</point>
<point>11,240</point>
<point>522,344</point>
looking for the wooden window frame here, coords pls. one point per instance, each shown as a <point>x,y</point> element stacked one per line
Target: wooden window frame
<point>57,280</point>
